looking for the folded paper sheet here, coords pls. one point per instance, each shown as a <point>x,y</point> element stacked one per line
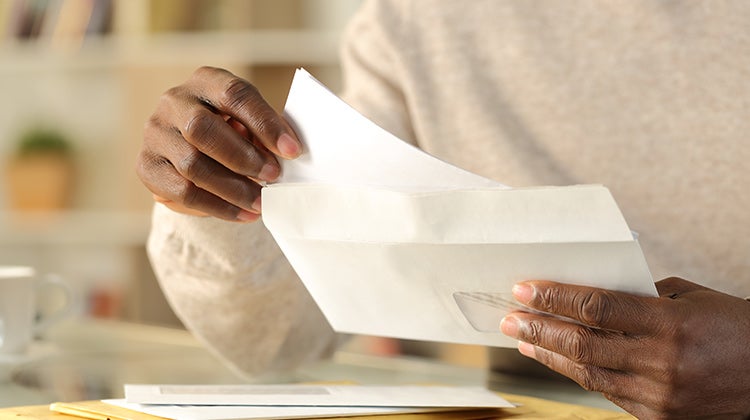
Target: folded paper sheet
<point>391,241</point>
<point>248,412</point>
<point>316,395</point>
<point>205,402</point>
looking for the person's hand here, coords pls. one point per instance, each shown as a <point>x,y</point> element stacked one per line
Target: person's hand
<point>683,354</point>
<point>210,144</point>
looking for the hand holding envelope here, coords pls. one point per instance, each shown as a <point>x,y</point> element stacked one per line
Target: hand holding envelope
<point>392,241</point>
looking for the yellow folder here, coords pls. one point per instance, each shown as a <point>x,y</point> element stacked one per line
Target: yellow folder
<point>528,408</point>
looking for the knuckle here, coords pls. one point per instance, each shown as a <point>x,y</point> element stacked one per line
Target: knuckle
<point>238,93</point>
<point>265,123</point>
<point>578,348</point>
<point>149,167</point>
<point>254,157</point>
<point>586,377</point>
<point>243,193</point>
<point>545,299</point>
<point>143,166</point>
<point>172,93</point>
<point>150,126</point>
<point>245,161</point>
<point>595,308</point>
<point>205,71</point>
<point>155,132</point>
<point>169,99</point>
<point>534,332</point>
<point>202,70</point>
<point>191,166</point>
<point>200,125</point>
<point>187,193</point>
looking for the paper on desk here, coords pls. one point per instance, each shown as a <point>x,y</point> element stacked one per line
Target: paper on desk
<point>316,395</point>
<point>226,412</point>
<point>391,241</point>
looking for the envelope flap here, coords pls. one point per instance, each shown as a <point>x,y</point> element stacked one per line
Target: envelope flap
<point>584,213</point>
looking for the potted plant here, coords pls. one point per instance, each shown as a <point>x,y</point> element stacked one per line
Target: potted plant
<point>39,175</point>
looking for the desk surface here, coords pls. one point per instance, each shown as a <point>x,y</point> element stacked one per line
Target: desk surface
<point>527,408</point>
<point>90,360</point>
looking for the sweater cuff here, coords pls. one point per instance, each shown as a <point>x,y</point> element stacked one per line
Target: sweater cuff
<point>209,245</point>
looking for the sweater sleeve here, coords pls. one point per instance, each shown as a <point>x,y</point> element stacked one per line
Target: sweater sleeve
<point>228,282</point>
<point>233,289</point>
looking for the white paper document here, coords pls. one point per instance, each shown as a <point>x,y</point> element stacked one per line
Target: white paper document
<point>317,395</point>
<point>391,241</point>
<point>227,412</point>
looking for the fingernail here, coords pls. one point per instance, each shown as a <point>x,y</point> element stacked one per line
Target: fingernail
<point>246,216</point>
<point>288,146</point>
<point>527,349</point>
<point>269,172</point>
<point>256,205</point>
<point>509,326</point>
<point>523,292</point>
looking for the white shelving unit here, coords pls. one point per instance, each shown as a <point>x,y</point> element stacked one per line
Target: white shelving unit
<point>74,228</point>
<point>102,92</point>
<point>249,48</point>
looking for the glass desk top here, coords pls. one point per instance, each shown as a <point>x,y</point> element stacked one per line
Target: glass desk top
<point>92,359</point>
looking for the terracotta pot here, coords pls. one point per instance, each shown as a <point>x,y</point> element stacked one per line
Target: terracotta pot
<point>39,182</point>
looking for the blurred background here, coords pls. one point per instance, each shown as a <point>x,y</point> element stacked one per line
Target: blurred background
<point>79,79</point>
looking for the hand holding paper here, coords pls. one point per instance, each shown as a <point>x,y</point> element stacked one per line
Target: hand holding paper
<point>391,241</point>
<point>210,144</point>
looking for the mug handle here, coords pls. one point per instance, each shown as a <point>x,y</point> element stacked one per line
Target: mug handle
<point>56,282</point>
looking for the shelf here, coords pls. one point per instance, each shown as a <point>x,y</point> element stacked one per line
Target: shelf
<point>255,47</point>
<point>95,228</point>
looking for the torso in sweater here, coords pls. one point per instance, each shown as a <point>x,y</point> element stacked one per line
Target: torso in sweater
<point>651,99</point>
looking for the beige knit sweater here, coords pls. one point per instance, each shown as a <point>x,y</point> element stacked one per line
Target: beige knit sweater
<point>649,98</point>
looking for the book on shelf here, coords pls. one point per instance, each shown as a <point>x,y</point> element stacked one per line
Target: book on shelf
<point>58,23</point>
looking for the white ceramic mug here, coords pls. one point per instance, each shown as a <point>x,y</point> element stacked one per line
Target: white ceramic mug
<point>19,289</point>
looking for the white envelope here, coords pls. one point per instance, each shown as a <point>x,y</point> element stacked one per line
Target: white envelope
<point>391,241</point>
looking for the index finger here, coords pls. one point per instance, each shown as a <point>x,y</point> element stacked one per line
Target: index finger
<point>238,98</point>
<point>591,306</point>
